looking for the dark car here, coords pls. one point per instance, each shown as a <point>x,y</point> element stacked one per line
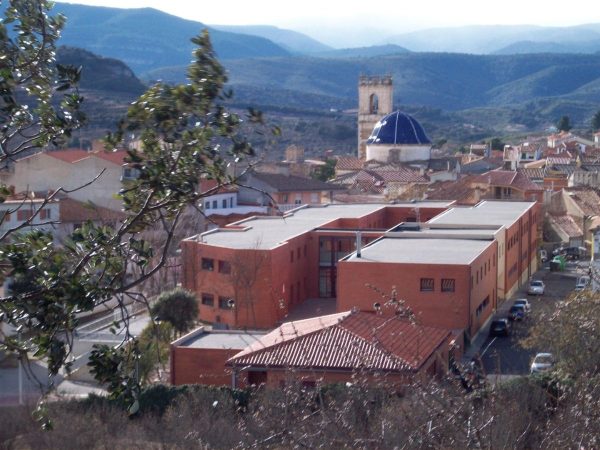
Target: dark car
<point>516,312</point>
<point>500,327</point>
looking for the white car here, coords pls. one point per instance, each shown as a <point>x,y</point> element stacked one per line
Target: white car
<point>582,283</point>
<point>542,362</point>
<point>536,287</point>
<point>524,303</point>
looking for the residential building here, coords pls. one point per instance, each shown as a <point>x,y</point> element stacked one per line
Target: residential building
<point>93,176</point>
<point>282,191</point>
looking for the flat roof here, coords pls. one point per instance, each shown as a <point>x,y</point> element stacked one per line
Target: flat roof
<point>220,339</point>
<point>485,213</point>
<point>269,232</point>
<point>422,251</point>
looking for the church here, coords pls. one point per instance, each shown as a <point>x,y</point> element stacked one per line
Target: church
<point>385,135</point>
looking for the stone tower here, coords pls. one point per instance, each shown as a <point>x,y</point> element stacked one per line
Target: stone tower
<point>375,100</point>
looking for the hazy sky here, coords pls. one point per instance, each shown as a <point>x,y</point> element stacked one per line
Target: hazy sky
<point>326,20</point>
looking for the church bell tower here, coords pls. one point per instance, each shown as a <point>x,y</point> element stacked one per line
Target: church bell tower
<point>375,100</point>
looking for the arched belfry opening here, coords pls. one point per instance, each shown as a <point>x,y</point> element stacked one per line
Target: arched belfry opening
<point>373,104</point>
<point>375,97</point>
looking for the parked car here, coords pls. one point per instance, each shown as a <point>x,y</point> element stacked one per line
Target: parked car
<point>542,362</point>
<point>536,287</point>
<point>582,283</point>
<point>517,312</point>
<point>523,302</point>
<point>500,327</point>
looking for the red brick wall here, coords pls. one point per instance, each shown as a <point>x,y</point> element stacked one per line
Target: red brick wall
<point>200,366</point>
<point>484,285</point>
<point>450,310</point>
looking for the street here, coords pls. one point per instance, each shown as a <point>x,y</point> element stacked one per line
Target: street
<point>505,355</point>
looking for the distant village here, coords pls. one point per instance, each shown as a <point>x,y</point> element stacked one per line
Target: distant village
<point>395,261</point>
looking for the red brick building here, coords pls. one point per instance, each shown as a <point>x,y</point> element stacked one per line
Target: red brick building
<point>200,356</point>
<point>250,274</point>
<point>337,347</point>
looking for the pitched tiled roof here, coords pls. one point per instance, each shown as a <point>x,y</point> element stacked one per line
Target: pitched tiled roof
<point>587,199</point>
<point>75,211</point>
<point>460,190</point>
<point>345,341</point>
<point>566,224</point>
<point>349,163</point>
<point>69,156</point>
<point>508,178</point>
<point>290,183</point>
<point>74,155</point>
<point>534,174</point>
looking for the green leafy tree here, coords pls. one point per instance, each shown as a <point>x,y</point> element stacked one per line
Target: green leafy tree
<point>564,124</point>
<point>325,172</point>
<point>596,121</point>
<point>185,132</point>
<point>177,307</point>
<point>497,144</point>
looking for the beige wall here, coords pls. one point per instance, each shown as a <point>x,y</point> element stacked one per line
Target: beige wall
<point>42,173</point>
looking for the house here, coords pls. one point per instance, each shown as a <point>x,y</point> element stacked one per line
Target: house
<point>508,185</point>
<point>573,213</point>
<point>285,192</point>
<point>338,347</point>
<point>90,176</point>
<point>60,215</point>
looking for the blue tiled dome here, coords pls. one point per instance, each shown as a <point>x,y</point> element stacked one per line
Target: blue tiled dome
<point>398,128</point>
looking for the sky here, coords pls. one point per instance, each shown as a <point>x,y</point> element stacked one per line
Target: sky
<point>340,22</point>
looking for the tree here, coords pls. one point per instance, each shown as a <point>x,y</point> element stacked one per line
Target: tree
<point>596,121</point>
<point>185,133</point>
<point>325,172</point>
<point>497,144</point>
<point>564,124</point>
<point>177,307</point>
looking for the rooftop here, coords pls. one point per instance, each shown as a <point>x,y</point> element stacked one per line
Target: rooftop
<point>270,232</point>
<point>425,250</point>
<point>345,341</point>
<point>485,213</point>
<point>219,339</point>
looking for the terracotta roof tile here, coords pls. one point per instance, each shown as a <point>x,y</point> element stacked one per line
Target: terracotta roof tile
<point>345,341</point>
<point>566,224</point>
<point>587,199</point>
<point>70,155</point>
<point>349,163</point>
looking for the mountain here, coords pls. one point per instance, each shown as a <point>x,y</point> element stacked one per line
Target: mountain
<point>484,39</point>
<point>522,47</point>
<point>292,41</point>
<point>107,85</point>
<point>363,52</point>
<point>146,38</point>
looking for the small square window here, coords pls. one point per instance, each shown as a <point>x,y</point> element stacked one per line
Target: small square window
<point>224,267</point>
<point>208,264</point>
<point>427,284</point>
<point>225,303</point>
<point>208,299</point>
<point>447,284</point>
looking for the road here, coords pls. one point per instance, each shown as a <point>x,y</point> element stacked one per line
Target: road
<point>505,355</point>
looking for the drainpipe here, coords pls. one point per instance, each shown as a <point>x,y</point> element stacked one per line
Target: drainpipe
<point>358,243</point>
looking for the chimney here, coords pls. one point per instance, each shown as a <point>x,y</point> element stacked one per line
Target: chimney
<point>358,243</point>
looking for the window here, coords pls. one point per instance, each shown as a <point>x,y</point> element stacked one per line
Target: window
<point>207,205</point>
<point>447,284</point>
<point>225,303</point>
<point>292,256</point>
<point>224,267</point>
<point>224,203</point>
<point>314,197</point>
<point>42,214</point>
<point>24,214</point>
<point>208,264</point>
<point>208,299</point>
<point>231,202</point>
<point>284,198</point>
<point>214,204</point>
<point>427,284</point>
